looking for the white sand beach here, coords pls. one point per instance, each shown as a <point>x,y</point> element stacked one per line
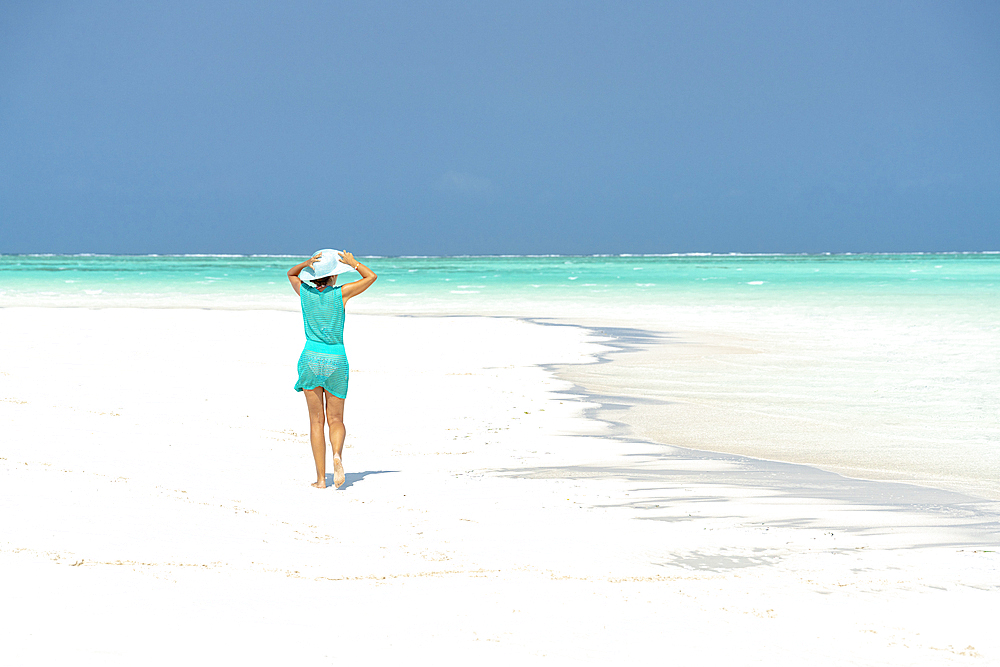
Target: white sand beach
<point>155,508</point>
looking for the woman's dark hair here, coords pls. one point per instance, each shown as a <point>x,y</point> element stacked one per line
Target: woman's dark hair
<point>322,282</point>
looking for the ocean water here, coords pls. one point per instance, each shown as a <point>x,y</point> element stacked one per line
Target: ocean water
<point>511,284</point>
<point>876,366</point>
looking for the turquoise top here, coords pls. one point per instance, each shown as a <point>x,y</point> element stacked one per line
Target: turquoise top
<point>323,314</point>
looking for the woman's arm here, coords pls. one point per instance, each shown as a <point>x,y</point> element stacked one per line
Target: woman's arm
<point>293,273</point>
<point>358,286</point>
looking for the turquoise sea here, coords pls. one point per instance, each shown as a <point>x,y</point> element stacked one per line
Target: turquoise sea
<point>876,366</point>
<point>484,284</point>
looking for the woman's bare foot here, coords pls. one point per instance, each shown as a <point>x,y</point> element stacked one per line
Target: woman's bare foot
<point>338,473</point>
<point>319,485</point>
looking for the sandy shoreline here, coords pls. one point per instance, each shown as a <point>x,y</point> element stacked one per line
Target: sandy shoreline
<point>164,505</point>
<point>861,408</point>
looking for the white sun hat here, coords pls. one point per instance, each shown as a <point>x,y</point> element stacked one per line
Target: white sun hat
<point>329,264</point>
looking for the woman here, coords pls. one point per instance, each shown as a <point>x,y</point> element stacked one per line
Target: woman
<point>323,369</point>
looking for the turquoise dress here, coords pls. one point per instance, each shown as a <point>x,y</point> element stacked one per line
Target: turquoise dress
<point>323,362</point>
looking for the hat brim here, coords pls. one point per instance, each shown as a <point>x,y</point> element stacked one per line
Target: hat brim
<point>328,265</point>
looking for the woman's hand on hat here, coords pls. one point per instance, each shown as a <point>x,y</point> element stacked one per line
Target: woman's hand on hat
<point>315,258</point>
<point>348,258</point>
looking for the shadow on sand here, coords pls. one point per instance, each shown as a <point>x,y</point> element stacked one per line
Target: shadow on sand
<point>352,477</point>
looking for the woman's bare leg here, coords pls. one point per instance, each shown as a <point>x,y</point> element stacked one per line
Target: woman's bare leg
<point>335,420</point>
<point>317,421</point>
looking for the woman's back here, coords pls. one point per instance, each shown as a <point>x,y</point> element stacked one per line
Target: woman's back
<point>323,368</point>
<point>323,314</point>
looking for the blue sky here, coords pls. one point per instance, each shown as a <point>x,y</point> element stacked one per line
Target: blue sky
<point>505,127</point>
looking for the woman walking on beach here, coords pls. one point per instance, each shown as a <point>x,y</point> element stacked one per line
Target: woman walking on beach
<point>323,369</point>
